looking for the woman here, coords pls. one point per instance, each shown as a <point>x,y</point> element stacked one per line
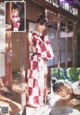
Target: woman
<point>65,89</point>
<point>40,51</point>
<point>15,17</point>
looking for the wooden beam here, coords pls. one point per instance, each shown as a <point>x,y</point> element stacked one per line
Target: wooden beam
<point>55,9</point>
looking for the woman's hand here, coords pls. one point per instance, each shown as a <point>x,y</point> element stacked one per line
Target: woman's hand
<point>75,102</point>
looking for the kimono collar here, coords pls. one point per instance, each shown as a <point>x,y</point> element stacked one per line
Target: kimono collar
<point>39,34</point>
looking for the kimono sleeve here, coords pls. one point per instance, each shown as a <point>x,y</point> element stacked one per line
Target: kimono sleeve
<point>50,54</point>
<point>39,46</point>
<point>76,88</point>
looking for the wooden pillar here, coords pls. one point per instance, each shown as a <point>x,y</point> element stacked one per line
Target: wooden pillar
<point>23,50</point>
<point>73,49</point>
<point>8,77</point>
<point>8,13</point>
<point>66,46</point>
<point>27,49</point>
<point>75,43</point>
<point>58,35</point>
<point>23,66</point>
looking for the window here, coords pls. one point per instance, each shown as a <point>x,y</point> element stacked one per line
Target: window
<point>60,34</point>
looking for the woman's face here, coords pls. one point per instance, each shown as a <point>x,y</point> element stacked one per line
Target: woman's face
<point>40,28</point>
<point>63,91</point>
<point>15,12</point>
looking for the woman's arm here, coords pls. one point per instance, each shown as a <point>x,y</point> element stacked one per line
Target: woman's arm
<point>75,102</point>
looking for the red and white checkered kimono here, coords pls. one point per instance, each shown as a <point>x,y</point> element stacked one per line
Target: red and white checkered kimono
<point>37,68</point>
<point>15,22</point>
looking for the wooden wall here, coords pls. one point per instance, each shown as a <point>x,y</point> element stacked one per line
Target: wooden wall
<point>33,10</point>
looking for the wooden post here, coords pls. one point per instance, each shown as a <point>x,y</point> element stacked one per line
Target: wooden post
<point>8,14</point>
<point>66,46</point>
<point>58,46</point>
<point>23,49</point>
<point>73,49</point>
<point>8,78</point>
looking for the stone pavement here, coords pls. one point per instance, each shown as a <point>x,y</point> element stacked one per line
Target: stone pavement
<point>45,110</point>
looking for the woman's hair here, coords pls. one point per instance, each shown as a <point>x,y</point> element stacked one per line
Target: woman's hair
<point>16,6</point>
<point>41,20</point>
<point>57,84</point>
